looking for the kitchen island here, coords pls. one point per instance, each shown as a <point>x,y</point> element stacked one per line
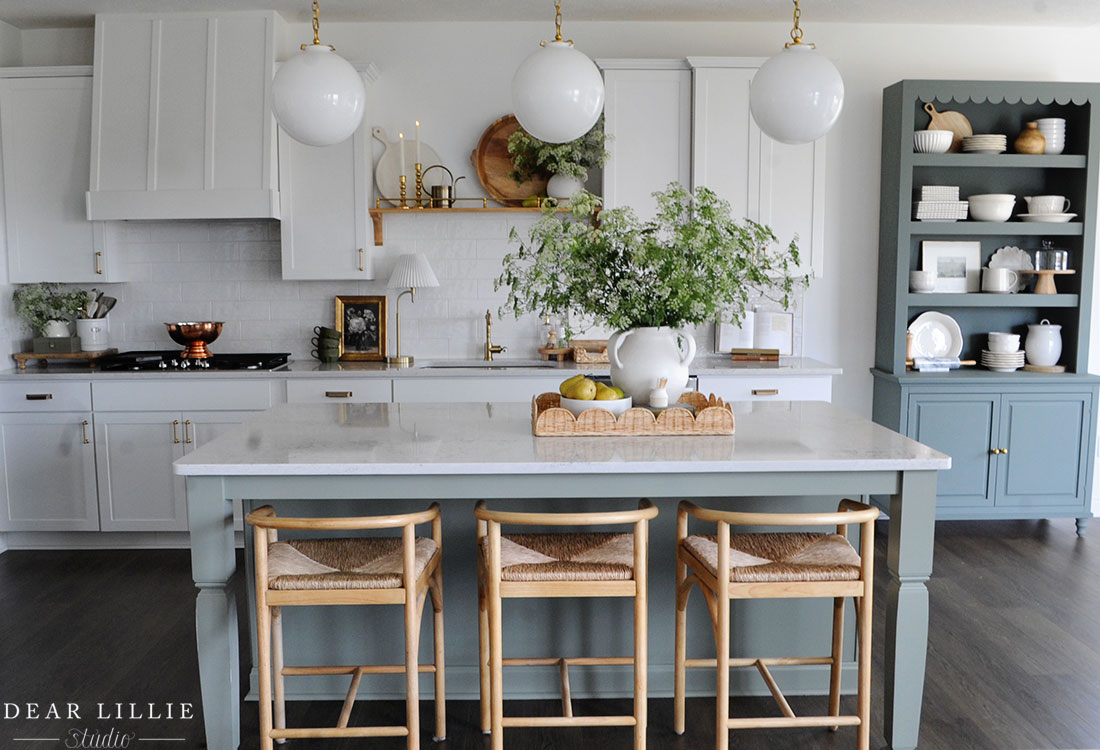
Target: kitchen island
<point>458,453</point>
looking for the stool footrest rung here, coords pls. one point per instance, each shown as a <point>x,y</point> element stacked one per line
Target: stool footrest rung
<point>770,661</point>
<point>349,670</point>
<point>568,721</point>
<point>304,732</point>
<point>772,722</point>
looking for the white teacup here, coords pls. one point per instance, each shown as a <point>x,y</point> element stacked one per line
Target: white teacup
<point>1047,204</point>
<point>1004,342</point>
<point>922,281</point>
<point>999,280</point>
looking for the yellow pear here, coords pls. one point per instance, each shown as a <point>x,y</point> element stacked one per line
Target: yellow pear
<point>584,390</point>
<point>603,393</point>
<point>567,385</point>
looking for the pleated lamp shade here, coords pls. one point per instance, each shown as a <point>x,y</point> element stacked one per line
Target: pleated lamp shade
<point>412,271</point>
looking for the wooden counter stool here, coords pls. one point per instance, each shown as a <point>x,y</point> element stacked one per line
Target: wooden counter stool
<point>776,565</point>
<point>401,570</point>
<point>572,564</point>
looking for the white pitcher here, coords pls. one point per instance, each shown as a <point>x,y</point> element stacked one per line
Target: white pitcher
<point>1044,343</point>
<point>640,357</point>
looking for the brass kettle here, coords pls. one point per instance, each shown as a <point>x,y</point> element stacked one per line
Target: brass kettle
<point>442,196</point>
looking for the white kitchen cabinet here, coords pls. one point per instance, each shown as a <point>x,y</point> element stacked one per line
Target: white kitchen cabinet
<point>142,427</point>
<point>47,459</point>
<point>45,117</point>
<point>339,390</point>
<point>497,388</point>
<point>325,194</point>
<point>780,185</point>
<point>647,108</point>
<point>689,120</point>
<point>768,387</point>
<point>181,117</point>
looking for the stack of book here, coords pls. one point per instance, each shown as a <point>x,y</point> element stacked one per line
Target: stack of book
<point>941,203</point>
<point>754,355</point>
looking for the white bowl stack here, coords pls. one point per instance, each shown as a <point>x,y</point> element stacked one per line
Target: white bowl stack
<point>1054,131</point>
<point>932,141</point>
<point>985,144</point>
<point>1003,354</point>
<point>940,203</point>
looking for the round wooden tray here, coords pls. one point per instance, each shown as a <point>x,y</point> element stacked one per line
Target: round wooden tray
<point>494,165</point>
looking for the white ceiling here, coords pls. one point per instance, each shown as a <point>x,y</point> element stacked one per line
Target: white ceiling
<point>51,13</point>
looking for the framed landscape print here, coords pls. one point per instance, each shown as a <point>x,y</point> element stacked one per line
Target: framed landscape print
<point>362,320</point>
<point>957,264</point>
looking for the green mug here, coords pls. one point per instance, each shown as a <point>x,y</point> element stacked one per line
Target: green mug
<point>327,333</point>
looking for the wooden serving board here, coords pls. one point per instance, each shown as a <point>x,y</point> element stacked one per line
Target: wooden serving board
<point>90,357</point>
<point>494,165</point>
<point>956,122</point>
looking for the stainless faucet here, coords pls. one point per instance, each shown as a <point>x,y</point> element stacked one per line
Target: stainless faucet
<point>490,347</point>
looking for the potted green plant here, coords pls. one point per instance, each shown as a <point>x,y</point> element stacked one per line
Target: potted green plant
<point>568,163</point>
<point>692,263</point>
<point>47,308</point>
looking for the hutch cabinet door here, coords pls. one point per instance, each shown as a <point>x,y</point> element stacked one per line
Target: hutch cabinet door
<point>963,426</point>
<point>1047,438</point>
<point>47,472</point>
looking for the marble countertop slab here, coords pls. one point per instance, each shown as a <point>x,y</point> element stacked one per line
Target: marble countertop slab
<point>496,439</point>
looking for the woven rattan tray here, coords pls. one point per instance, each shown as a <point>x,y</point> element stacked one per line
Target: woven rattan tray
<point>712,417</point>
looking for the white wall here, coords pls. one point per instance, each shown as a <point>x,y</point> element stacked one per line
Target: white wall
<point>455,79</point>
<point>11,45</point>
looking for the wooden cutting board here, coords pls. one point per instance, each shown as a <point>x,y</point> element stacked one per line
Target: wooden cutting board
<point>494,165</point>
<point>956,122</point>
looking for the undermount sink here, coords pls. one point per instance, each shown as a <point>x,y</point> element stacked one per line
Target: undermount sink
<point>496,364</point>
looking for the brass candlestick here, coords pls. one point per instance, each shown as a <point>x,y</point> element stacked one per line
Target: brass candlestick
<point>404,203</point>
<point>419,183</point>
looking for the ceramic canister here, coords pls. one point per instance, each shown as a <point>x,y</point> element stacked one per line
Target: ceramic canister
<point>1044,343</point>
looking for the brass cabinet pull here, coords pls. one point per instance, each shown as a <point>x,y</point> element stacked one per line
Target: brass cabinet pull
<point>999,451</point>
<point>175,431</point>
<point>39,396</point>
<point>1004,451</point>
<point>84,431</point>
<point>337,394</point>
<point>98,264</point>
<point>361,259</point>
<point>187,431</point>
<point>765,391</point>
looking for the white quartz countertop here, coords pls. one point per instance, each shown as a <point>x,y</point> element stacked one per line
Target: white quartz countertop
<point>713,364</point>
<point>496,439</point>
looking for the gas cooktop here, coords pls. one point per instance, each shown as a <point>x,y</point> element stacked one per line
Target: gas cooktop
<point>168,361</point>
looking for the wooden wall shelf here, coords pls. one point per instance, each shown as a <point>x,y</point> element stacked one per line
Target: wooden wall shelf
<point>377,214</point>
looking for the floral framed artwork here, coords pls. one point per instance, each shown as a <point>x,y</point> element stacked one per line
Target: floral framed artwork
<point>362,321</point>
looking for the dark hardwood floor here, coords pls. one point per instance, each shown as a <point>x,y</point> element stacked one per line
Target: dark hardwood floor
<point>1013,661</point>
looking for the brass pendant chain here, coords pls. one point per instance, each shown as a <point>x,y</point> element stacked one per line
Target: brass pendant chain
<point>317,22</point>
<point>557,27</point>
<point>796,32</point>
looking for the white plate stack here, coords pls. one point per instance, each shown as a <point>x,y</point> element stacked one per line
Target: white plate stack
<point>941,203</point>
<point>1054,131</point>
<point>985,144</point>
<point>1003,354</point>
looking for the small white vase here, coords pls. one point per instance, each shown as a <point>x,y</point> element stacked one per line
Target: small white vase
<point>57,329</point>
<point>563,187</point>
<point>640,357</point>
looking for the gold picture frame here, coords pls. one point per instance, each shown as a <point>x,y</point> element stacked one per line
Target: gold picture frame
<point>362,321</point>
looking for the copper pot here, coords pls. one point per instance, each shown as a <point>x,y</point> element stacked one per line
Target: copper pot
<point>195,336</point>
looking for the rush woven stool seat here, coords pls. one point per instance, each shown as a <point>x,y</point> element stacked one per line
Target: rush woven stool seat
<point>776,565</point>
<point>569,564</point>
<point>405,570</point>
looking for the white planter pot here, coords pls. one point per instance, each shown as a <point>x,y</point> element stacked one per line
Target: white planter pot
<point>563,187</point>
<point>1044,344</point>
<point>57,329</point>
<point>640,357</point>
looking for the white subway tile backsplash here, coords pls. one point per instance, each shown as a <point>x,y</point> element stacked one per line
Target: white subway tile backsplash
<point>231,271</point>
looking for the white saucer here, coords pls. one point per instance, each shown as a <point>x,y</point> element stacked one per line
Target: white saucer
<point>1047,218</point>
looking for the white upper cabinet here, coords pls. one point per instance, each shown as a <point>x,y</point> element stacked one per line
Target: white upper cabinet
<point>325,194</point>
<point>773,183</point>
<point>45,114</point>
<point>689,120</point>
<point>181,117</point>
<point>648,110</point>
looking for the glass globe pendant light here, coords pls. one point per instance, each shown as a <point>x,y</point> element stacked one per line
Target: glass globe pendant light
<point>796,96</point>
<point>317,97</point>
<point>557,92</point>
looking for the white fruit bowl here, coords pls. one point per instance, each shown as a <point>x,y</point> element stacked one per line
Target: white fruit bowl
<point>616,406</point>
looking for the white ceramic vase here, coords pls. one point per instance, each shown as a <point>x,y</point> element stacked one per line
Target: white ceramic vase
<point>1044,344</point>
<point>57,329</point>
<point>640,357</point>
<point>563,187</point>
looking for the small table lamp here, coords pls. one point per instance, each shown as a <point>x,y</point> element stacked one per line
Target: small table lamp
<point>412,270</point>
